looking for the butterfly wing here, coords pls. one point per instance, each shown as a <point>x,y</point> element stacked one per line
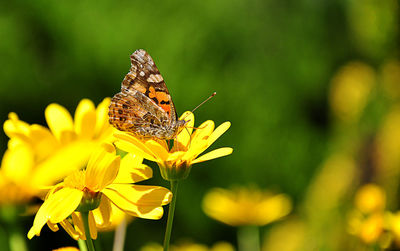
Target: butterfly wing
<point>144,105</point>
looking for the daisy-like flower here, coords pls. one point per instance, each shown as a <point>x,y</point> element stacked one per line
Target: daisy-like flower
<point>106,181</point>
<point>247,209</point>
<point>175,163</point>
<point>245,206</point>
<point>38,156</point>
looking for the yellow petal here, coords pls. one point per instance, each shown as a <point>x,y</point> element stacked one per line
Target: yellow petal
<point>66,249</point>
<point>132,170</point>
<point>58,119</point>
<point>102,117</point>
<point>157,149</point>
<point>272,209</point>
<point>44,141</point>
<point>218,132</point>
<point>13,127</point>
<point>143,194</point>
<point>146,212</point>
<point>53,226</point>
<point>62,162</point>
<point>198,143</point>
<point>203,132</point>
<point>70,229</point>
<point>102,214</point>
<point>184,136</point>
<point>85,119</point>
<point>218,205</point>
<point>92,226</point>
<point>56,208</point>
<point>131,144</point>
<point>17,163</point>
<point>203,141</point>
<point>102,168</point>
<point>78,225</point>
<point>214,154</point>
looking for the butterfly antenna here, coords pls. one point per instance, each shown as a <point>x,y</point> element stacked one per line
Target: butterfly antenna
<point>211,96</point>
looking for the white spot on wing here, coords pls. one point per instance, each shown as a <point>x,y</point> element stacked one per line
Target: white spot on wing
<point>155,78</point>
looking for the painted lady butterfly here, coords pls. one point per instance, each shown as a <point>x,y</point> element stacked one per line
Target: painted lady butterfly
<point>144,106</point>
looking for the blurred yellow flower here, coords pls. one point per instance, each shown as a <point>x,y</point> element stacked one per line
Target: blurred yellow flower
<point>388,144</point>
<point>392,221</point>
<point>66,249</point>
<point>104,182</point>
<point>189,246</point>
<point>370,198</point>
<point>175,163</point>
<point>367,219</point>
<point>38,156</point>
<point>245,206</point>
<point>350,88</point>
<point>368,228</point>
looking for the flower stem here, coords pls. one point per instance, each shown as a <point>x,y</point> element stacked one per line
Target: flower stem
<point>82,245</point>
<point>248,238</point>
<point>89,241</point>
<point>171,210</point>
<point>119,236</point>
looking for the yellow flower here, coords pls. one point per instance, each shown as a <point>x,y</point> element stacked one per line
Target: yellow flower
<point>38,156</point>
<point>366,221</point>
<point>189,246</point>
<point>350,89</point>
<point>103,183</point>
<point>366,227</point>
<point>175,163</point>
<point>245,206</point>
<point>66,249</point>
<point>370,198</point>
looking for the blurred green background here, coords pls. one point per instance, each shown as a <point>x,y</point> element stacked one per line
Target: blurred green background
<point>270,62</point>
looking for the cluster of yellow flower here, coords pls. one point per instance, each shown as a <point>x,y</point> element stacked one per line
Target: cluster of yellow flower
<point>85,171</point>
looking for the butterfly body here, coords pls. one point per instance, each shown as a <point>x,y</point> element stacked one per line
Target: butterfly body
<point>144,106</point>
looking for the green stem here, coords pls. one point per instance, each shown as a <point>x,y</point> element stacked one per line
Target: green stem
<point>82,245</point>
<point>89,241</point>
<point>248,238</point>
<point>174,189</point>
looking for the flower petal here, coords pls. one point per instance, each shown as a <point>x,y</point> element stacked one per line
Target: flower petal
<point>214,154</point>
<point>102,214</point>
<point>102,168</point>
<point>157,149</point>
<point>132,170</point>
<point>70,229</point>
<point>58,119</point>
<point>184,136</point>
<point>129,143</point>
<point>147,212</point>
<point>143,194</point>
<point>17,163</point>
<point>92,226</point>
<point>199,139</point>
<point>62,162</point>
<point>43,140</point>
<point>102,117</point>
<point>85,119</point>
<point>56,208</point>
<point>218,132</point>
<point>13,127</point>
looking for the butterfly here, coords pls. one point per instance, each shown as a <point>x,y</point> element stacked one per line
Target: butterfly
<point>144,106</point>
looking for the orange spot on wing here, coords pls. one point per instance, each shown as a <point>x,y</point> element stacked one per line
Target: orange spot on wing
<point>162,96</point>
<point>152,93</point>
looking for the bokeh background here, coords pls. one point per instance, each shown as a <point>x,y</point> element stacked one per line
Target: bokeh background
<point>309,87</point>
